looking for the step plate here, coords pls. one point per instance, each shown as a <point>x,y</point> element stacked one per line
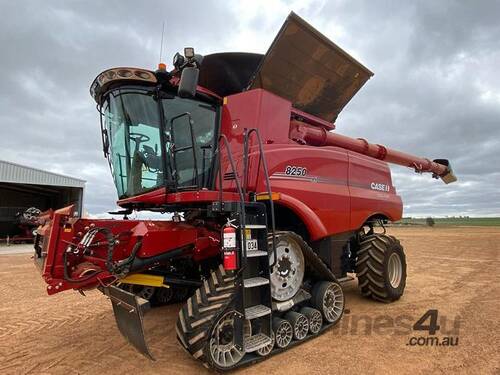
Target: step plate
<point>256,253</point>
<point>257,311</point>
<point>256,342</point>
<point>255,281</point>
<point>255,226</point>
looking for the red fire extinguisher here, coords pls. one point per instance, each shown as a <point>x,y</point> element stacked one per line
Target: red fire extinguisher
<point>229,246</point>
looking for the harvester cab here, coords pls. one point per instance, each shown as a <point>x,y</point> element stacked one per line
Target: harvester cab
<point>272,209</point>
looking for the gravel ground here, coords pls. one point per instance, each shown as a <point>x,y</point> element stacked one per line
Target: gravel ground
<point>16,249</point>
<point>453,270</point>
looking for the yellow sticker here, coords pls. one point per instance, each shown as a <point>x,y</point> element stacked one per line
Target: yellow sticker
<point>248,233</point>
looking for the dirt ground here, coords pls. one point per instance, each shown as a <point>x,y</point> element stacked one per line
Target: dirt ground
<point>454,270</point>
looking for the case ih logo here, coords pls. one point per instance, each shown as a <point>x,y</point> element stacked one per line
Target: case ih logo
<point>380,187</point>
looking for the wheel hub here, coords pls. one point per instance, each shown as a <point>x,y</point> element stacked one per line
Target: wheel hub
<point>226,334</point>
<point>284,267</point>
<point>315,322</point>
<point>223,349</point>
<point>288,272</point>
<point>283,334</point>
<point>333,303</point>
<point>395,270</point>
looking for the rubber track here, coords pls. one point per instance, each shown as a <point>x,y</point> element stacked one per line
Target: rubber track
<point>314,264</point>
<point>200,311</point>
<point>370,266</point>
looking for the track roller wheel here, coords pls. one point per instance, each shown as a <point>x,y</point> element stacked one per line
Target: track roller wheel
<point>267,349</point>
<point>299,323</point>
<point>164,296</point>
<point>381,268</point>
<point>283,332</point>
<point>204,327</point>
<point>328,298</point>
<point>314,317</point>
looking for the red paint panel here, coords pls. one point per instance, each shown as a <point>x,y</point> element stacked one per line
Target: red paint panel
<point>323,188</point>
<point>367,179</point>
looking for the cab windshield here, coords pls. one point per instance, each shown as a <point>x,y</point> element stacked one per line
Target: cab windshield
<point>145,153</point>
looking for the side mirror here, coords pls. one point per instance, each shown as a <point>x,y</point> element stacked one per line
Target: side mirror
<point>188,82</point>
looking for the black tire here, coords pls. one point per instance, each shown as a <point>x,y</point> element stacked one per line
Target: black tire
<point>200,313</point>
<point>376,254</point>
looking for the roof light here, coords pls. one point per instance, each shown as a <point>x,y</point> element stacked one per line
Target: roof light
<point>189,52</point>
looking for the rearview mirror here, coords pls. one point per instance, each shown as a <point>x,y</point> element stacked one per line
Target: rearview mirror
<point>188,82</point>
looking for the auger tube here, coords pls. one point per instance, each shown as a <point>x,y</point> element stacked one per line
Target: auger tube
<point>318,136</point>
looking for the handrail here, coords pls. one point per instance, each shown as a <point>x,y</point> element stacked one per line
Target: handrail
<point>238,187</point>
<point>247,135</point>
<point>195,169</point>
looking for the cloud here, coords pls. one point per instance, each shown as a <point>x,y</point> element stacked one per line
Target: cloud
<point>435,92</point>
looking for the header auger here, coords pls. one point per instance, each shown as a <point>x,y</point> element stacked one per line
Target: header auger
<point>271,208</point>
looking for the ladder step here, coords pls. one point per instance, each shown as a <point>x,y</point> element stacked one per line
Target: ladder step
<point>256,342</point>
<point>255,226</point>
<point>257,311</point>
<point>256,253</point>
<point>255,281</point>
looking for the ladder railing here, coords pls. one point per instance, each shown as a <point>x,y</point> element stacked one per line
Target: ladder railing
<point>254,302</point>
<point>238,188</point>
<point>262,161</point>
<point>241,186</point>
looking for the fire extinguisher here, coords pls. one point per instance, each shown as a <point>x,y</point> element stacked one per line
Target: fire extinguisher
<point>229,246</point>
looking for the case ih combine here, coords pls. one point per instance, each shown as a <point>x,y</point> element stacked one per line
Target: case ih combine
<point>272,209</point>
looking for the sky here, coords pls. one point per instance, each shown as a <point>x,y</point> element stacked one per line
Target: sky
<point>435,93</point>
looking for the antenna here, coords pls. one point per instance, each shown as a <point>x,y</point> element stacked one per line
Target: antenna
<point>161,44</point>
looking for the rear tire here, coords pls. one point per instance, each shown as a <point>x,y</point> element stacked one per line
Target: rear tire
<point>381,268</point>
<point>201,312</point>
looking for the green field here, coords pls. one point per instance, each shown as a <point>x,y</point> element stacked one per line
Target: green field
<point>475,221</point>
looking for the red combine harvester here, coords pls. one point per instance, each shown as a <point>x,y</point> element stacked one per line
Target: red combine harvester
<point>271,208</point>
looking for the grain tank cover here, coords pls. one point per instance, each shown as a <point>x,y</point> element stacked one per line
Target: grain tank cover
<point>305,67</point>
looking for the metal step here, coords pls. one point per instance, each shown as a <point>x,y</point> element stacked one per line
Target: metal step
<point>256,342</point>
<point>255,281</point>
<point>255,226</point>
<point>257,311</point>
<point>256,253</point>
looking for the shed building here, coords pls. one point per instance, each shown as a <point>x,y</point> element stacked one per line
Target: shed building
<point>22,187</point>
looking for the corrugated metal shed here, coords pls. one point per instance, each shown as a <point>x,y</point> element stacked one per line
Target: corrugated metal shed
<point>16,173</point>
